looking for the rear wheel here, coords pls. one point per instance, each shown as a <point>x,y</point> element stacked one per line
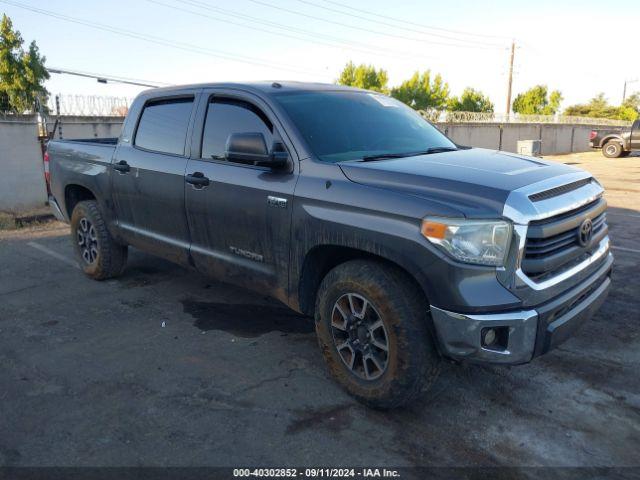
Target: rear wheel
<point>372,326</point>
<point>98,254</point>
<point>612,149</point>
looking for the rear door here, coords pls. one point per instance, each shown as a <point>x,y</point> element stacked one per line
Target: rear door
<point>148,177</point>
<point>240,222</point>
<point>635,135</point>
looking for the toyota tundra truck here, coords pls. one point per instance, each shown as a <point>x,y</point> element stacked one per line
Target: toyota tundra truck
<point>349,207</point>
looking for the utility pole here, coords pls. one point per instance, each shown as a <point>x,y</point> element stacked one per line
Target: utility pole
<point>513,53</point>
<point>624,92</point>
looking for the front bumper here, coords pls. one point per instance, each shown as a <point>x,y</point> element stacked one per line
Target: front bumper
<point>524,334</point>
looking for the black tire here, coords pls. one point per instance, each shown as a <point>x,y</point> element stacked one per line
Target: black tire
<point>612,149</point>
<point>411,364</point>
<point>98,254</point>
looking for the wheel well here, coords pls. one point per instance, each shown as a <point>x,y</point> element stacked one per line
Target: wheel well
<point>608,139</point>
<point>74,194</point>
<point>320,260</point>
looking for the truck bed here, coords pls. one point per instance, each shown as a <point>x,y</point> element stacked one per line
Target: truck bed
<point>83,162</point>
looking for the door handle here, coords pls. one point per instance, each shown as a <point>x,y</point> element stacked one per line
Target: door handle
<point>197,179</point>
<point>122,166</point>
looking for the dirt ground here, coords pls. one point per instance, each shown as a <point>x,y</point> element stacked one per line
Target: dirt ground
<point>163,367</point>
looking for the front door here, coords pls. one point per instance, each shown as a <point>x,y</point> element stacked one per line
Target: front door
<point>148,179</point>
<point>240,222</point>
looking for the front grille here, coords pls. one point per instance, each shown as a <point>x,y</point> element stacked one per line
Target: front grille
<point>554,244</point>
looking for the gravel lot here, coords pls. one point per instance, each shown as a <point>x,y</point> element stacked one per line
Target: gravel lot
<point>165,367</point>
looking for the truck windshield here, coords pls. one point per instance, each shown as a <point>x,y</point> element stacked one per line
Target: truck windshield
<point>342,125</point>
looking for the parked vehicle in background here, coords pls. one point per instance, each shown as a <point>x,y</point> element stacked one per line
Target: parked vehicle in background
<point>347,206</point>
<point>616,143</point>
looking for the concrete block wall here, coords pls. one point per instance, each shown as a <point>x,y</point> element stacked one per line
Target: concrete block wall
<point>513,132</point>
<point>88,127</point>
<point>581,137</point>
<point>22,185</point>
<point>476,135</point>
<point>556,138</point>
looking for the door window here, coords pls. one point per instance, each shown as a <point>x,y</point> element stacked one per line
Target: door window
<point>225,117</point>
<point>163,126</point>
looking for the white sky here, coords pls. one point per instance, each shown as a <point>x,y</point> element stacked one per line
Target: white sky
<point>578,47</point>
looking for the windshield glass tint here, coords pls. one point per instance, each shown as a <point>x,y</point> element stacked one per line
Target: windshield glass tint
<point>341,126</point>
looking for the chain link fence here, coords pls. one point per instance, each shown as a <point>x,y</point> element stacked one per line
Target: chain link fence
<point>481,117</point>
<point>88,105</point>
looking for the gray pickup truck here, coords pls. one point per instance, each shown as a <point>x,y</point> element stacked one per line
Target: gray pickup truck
<point>347,206</point>
<point>618,142</point>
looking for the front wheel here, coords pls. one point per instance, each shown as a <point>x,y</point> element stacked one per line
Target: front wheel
<point>612,149</point>
<point>98,254</point>
<point>372,327</point>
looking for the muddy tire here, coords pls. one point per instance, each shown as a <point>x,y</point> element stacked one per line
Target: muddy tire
<point>98,254</point>
<point>373,330</point>
<point>612,149</point>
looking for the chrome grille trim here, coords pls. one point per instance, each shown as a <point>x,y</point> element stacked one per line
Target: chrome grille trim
<point>521,210</point>
<point>602,250</point>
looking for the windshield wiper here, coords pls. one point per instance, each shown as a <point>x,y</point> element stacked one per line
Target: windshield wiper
<point>438,150</point>
<point>383,156</point>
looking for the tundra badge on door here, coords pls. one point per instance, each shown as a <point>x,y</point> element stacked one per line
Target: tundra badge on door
<point>277,201</point>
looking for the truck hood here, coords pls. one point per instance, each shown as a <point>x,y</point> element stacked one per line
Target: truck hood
<point>475,181</point>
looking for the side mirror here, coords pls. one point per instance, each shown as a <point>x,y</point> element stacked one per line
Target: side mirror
<point>251,148</point>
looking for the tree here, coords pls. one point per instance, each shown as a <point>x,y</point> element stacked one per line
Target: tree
<point>421,93</point>
<point>598,107</point>
<point>537,101</point>
<point>470,101</point>
<point>364,76</point>
<point>22,73</point>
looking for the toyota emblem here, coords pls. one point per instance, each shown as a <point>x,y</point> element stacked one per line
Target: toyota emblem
<point>585,233</point>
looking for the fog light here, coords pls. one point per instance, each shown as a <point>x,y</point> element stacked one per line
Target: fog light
<point>495,338</point>
<point>488,337</point>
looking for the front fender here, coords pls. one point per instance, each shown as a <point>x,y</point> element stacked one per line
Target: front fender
<point>386,224</point>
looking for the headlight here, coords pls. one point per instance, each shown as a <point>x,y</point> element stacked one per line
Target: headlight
<point>484,242</point>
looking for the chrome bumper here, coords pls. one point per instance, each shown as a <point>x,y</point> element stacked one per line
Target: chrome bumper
<point>460,335</point>
<point>55,208</point>
<point>531,332</point>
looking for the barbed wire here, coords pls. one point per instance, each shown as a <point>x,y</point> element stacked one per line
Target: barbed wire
<point>97,105</point>
<point>89,105</point>
<point>437,116</point>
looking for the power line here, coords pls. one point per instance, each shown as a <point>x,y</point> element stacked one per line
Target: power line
<point>339,43</point>
<point>396,19</point>
<point>107,78</point>
<point>158,40</point>
<point>376,32</point>
<point>206,6</point>
<point>404,27</point>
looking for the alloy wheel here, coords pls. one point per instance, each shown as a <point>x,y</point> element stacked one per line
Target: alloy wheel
<point>360,336</point>
<point>87,240</point>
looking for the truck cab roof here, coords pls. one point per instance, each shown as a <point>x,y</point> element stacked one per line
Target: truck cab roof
<point>265,87</point>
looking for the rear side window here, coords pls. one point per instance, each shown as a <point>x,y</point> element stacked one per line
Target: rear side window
<point>225,117</point>
<point>163,126</point>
